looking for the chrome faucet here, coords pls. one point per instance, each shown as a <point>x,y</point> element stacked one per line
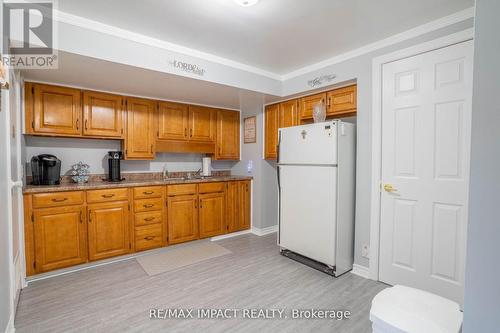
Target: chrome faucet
<point>165,172</point>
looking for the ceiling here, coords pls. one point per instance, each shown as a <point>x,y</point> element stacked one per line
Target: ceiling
<point>277,36</point>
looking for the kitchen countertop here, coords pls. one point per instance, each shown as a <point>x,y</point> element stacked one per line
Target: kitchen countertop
<point>29,189</point>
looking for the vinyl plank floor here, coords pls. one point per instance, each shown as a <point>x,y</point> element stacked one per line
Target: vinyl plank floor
<point>119,296</point>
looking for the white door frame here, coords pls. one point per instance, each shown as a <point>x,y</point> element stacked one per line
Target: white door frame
<point>377,64</point>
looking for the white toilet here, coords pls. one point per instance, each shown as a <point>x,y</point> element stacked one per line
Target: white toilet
<point>401,309</point>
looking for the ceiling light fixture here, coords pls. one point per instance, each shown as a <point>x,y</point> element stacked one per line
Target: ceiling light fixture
<point>246,3</point>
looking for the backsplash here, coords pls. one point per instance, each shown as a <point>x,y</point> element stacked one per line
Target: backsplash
<point>94,153</point>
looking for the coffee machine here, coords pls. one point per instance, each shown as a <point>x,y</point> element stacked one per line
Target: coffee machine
<point>114,172</point>
<point>46,170</point>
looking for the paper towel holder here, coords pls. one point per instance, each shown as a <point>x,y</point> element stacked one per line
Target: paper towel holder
<point>206,170</point>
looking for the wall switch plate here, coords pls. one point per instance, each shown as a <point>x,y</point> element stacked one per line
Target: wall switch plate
<point>365,251</point>
<point>250,166</point>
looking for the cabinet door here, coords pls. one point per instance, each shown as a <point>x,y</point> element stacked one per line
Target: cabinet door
<point>342,101</point>
<point>60,236</point>
<point>232,206</point>
<point>182,218</point>
<point>109,227</point>
<point>173,121</point>
<point>56,111</point>
<point>289,115</point>
<point>212,214</point>
<point>271,131</point>
<point>102,115</point>
<point>308,103</point>
<point>201,124</point>
<point>228,135</point>
<point>140,139</point>
<point>244,204</point>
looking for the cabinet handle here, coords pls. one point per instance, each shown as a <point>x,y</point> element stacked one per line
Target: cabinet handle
<point>149,238</point>
<point>191,132</point>
<point>201,204</point>
<point>329,102</point>
<point>77,123</point>
<point>148,206</point>
<point>147,219</point>
<point>81,217</point>
<point>185,132</point>
<point>107,196</point>
<point>90,216</point>
<point>151,148</point>
<point>148,192</point>
<point>59,200</point>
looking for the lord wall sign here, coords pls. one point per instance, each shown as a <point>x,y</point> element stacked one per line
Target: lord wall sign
<point>187,67</point>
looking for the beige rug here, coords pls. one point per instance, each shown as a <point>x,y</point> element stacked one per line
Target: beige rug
<point>178,257</point>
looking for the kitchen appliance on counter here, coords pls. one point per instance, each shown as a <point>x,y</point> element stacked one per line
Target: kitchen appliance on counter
<point>206,170</point>
<point>316,181</point>
<point>45,170</point>
<point>114,171</point>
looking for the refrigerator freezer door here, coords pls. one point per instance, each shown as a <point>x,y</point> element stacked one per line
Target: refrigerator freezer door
<point>309,144</point>
<point>308,211</point>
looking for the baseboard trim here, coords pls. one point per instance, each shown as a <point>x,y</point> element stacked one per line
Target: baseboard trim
<point>264,231</point>
<point>231,235</point>
<point>361,271</point>
<point>10,326</point>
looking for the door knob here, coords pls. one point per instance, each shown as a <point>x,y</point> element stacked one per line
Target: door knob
<point>389,188</point>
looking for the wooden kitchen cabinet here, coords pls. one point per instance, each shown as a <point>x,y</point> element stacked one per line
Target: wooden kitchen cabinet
<point>228,135</point>
<point>232,206</point>
<point>271,124</point>
<point>182,218</point>
<point>212,214</point>
<point>140,139</point>
<point>108,230</point>
<point>53,110</point>
<point>288,114</point>
<point>102,115</point>
<point>245,204</point>
<point>308,103</point>
<point>173,121</point>
<point>60,238</point>
<point>342,101</point>
<point>202,124</point>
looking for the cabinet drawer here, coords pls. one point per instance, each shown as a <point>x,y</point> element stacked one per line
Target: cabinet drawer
<point>148,237</point>
<point>147,218</point>
<point>147,205</point>
<point>148,192</point>
<point>57,199</point>
<point>211,187</point>
<point>113,194</point>
<point>181,189</point>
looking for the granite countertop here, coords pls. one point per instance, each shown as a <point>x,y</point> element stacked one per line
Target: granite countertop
<point>92,185</point>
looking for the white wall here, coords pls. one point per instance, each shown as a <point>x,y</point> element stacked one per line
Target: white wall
<point>482,288</point>
<point>93,152</point>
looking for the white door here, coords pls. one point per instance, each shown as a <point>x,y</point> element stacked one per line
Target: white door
<point>426,124</point>
<point>308,211</point>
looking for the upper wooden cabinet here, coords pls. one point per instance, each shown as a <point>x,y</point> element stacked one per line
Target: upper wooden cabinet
<point>53,111</point>
<point>173,121</point>
<point>289,114</point>
<point>308,103</point>
<point>202,124</point>
<point>60,237</point>
<point>102,115</point>
<point>342,101</point>
<point>228,135</point>
<point>141,129</point>
<point>271,131</point>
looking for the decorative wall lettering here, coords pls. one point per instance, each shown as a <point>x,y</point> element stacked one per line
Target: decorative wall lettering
<point>186,67</point>
<point>318,81</point>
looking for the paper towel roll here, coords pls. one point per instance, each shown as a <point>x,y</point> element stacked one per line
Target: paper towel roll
<point>207,167</point>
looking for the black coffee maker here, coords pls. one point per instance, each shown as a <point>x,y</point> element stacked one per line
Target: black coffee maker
<point>46,170</point>
<point>114,173</point>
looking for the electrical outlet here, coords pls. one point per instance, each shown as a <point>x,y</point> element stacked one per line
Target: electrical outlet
<point>365,251</point>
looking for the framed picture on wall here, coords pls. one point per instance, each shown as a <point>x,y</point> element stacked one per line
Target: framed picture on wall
<point>250,129</point>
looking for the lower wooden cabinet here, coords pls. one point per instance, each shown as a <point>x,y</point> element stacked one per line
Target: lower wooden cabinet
<point>60,237</point>
<point>211,214</point>
<point>238,206</point>
<point>182,218</point>
<point>244,204</point>
<point>108,226</point>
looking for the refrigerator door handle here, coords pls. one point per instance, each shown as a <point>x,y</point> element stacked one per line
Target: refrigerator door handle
<point>278,176</point>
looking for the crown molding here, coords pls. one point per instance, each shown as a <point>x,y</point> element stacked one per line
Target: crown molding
<point>401,37</point>
<point>89,24</point>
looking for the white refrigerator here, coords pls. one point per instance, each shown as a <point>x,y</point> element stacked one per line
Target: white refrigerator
<point>316,181</point>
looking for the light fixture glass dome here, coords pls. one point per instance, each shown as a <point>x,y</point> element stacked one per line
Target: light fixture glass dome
<point>246,3</point>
